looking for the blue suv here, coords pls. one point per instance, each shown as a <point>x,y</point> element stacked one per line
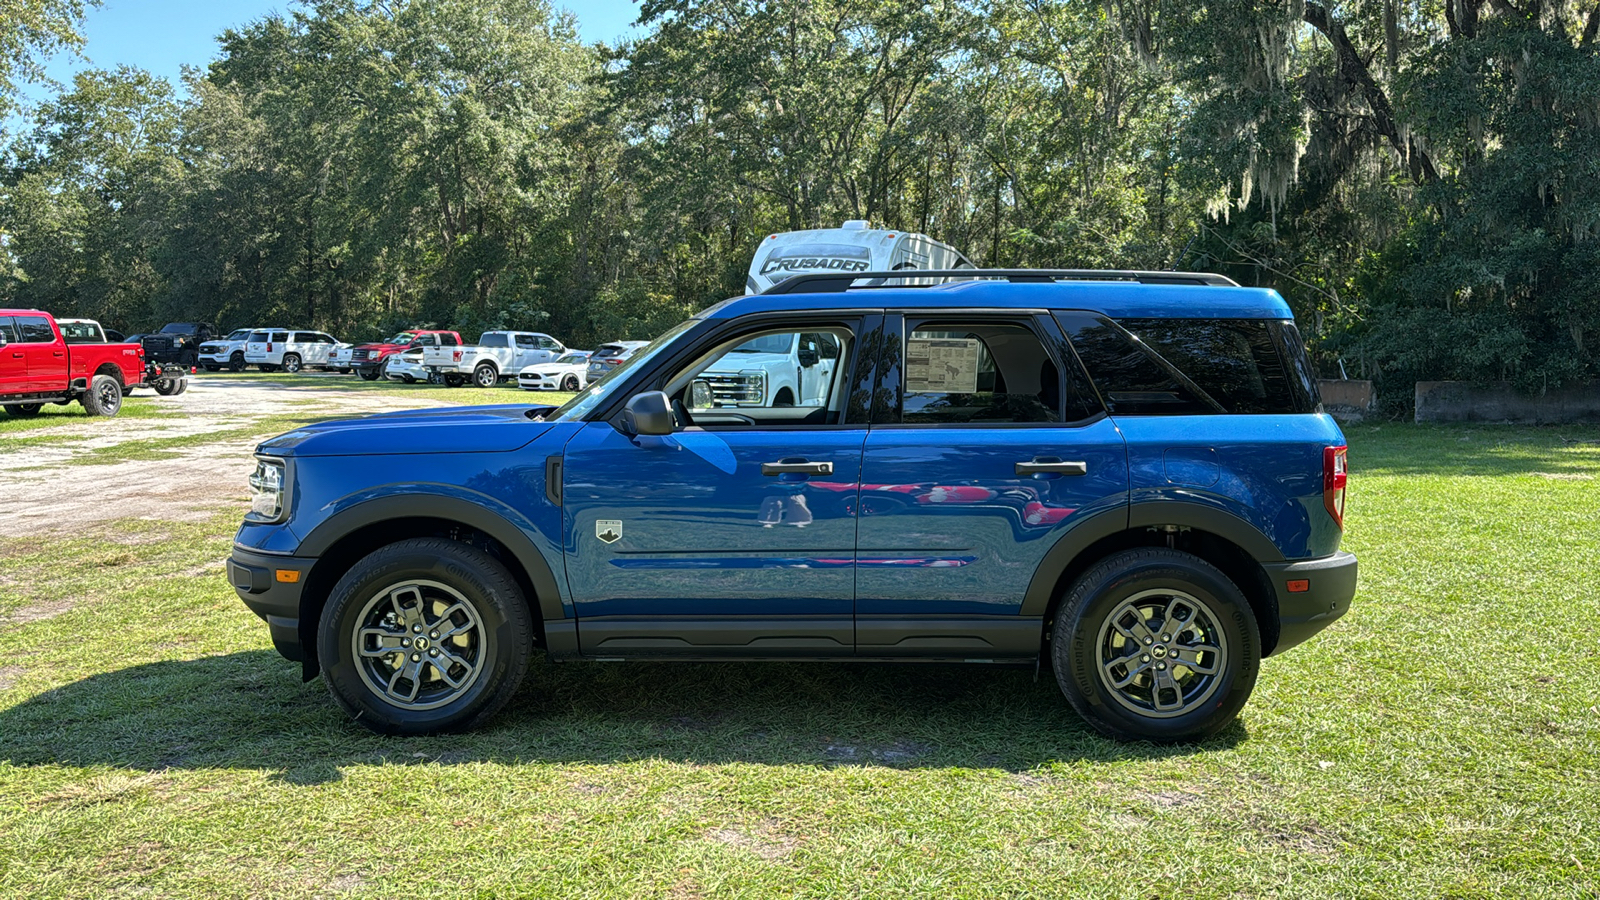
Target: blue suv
<point>1127,475</point>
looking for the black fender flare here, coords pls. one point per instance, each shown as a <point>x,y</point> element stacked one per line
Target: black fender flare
<point>1226,525</point>
<point>547,592</point>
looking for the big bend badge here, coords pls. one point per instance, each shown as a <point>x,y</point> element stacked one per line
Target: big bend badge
<point>609,531</point>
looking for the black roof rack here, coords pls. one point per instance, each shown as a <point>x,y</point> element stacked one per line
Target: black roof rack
<point>837,282</point>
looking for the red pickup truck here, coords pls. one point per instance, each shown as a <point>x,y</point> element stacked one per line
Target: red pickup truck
<point>38,366</point>
<point>368,359</point>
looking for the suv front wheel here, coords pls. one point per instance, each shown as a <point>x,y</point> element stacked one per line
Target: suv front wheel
<point>423,636</point>
<point>1156,645</point>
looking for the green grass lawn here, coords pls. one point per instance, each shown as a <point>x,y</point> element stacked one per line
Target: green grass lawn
<point>1439,741</point>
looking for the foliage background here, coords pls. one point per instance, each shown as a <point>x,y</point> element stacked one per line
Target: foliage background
<point>1418,180</point>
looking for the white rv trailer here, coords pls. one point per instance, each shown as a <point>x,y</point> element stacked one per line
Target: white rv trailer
<point>853,247</point>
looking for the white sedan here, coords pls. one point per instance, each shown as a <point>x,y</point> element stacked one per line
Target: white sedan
<point>406,367</point>
<point>568,373</point>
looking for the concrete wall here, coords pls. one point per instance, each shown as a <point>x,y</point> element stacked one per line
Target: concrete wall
<point>1463,401</point>
<point>1347,401</point>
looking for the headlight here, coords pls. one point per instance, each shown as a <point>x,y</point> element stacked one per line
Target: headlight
<point>266,490</point>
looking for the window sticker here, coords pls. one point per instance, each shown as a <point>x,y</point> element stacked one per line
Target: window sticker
<point>942,365</point>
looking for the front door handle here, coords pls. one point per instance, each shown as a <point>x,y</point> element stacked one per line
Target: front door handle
<point>796,467</point>
<point>1052,467</point>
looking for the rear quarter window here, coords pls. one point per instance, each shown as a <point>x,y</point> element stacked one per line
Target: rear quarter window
<point>1154,367</point>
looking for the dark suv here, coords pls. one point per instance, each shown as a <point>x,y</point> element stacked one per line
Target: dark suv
<point>1127,475</point>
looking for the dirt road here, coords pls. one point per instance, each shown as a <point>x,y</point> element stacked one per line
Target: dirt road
<point>199,466</point>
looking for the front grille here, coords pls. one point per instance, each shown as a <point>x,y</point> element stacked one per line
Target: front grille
<point>737,390</point>
<point>358,354</point>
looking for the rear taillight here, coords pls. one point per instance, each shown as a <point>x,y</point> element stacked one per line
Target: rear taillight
<point>457,355</point>
<point>612,362</point>
<point>269,348</point>
<point>1335,475</point>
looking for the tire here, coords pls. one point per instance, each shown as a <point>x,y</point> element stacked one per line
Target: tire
<point>454,379</point>
<point>485,376</point>
<point>291,363</point>
<point>1111,608</point>
<point>188,358</point>
<point>24,410</point>
<point>210,368</point>
<point>369,374</point>
<point>409,379</point>
<point>267,368</point>
<point>413,582</point>
<point>171,387</point>
<point>570,384</point>
<point>343,371</point>
<point>104,396</point>
<point>236,361</point>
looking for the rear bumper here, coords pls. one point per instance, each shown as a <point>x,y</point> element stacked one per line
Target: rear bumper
<point>254,577</point>
<point>1330,586</point>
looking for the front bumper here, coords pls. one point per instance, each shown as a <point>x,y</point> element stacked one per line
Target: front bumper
<point>255,578</point>
<point>1330,586</point>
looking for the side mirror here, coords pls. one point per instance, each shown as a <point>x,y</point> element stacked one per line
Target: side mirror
<point>700,395</point>
<point>809,355</point>
<point>648,413</point>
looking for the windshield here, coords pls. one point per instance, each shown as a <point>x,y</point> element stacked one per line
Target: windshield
<point>582,404</point>
<point>240,335</point>
<point>178,328</point>
<point>770,343</point>
<point>573,359</point>
<point>404,337</point>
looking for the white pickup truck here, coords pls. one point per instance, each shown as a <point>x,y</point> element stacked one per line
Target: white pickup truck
<point>784,369</point>
<point>497,355</point>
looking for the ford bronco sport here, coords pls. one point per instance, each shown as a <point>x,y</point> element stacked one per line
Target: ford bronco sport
<point>1124,475</point>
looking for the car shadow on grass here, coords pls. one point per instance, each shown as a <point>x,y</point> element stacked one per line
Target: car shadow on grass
<point>250,710</point>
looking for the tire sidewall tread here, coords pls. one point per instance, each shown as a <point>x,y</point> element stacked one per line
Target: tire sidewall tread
<point>500,605</point>
<point>1075,633</point>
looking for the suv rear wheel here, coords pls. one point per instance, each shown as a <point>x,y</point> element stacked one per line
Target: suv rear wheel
<point>291,363</point>
<point>425,635</point>
<point>1156,645</point>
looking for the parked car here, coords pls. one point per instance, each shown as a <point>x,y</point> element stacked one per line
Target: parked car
<point>496,355</point>
<point>608,356</point>
<point>225,352</point>
<point>1127,476</point>
<point>177,342</point>
<point>38,365</point>
<point>791,369</point>
<point>339,358</point>
<point>568,373</point>
<point>290,350</point>
<point>406,366</point>
<point>368,359</point>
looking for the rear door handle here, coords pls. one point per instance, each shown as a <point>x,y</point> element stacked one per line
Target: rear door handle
<point>796,467</point>
<point>1052,467</point>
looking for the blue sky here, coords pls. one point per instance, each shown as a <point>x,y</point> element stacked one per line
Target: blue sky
<point>162,36</point>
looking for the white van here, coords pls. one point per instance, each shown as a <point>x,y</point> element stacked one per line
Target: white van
<point>852,247</point>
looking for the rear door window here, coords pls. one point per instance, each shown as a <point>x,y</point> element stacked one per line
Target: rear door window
<point>280,337</point>
<point>8,329</point>
<point>1133,379</point>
